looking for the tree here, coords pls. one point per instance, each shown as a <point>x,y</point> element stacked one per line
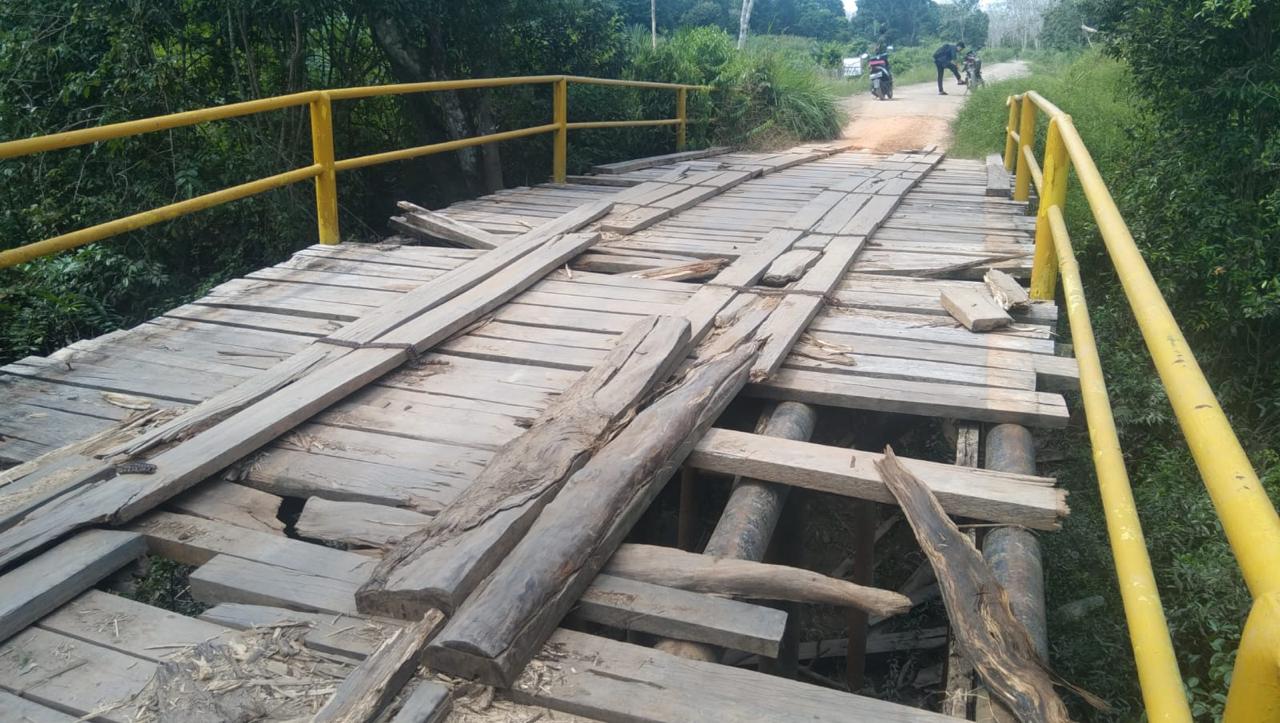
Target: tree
<point>901,21</point>
<point>1063,27</point>
<point>744,22</point>
<point>964,20</point>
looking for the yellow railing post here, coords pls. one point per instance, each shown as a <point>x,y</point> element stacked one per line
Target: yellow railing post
<point>1010,145</point>
<point>682,95</point>
<point>1026,135</point>
<point>1044,269</point>
<point>327,182</point>
<point>1255,680</point>
<point>560,117</point>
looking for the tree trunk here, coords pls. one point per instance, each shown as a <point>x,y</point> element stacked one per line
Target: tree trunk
<point>744,22</point>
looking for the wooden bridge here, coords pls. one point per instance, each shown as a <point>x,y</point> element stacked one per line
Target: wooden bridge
<point>289,428</point>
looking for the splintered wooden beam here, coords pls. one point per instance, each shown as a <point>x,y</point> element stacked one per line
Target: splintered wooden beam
<point>430,224</point>
<point>994,641</point>
<point>504,623</point>
<point>374,683</point>
<point>744,578</point>
<point>1006,290</point>
<point>439,565</point>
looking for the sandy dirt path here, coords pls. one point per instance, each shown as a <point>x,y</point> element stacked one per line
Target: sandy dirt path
<point>917,116</point>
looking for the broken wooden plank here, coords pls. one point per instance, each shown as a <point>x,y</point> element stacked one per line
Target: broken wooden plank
<point>976,310</point>
<point>39,587</point>
<point>374,683</point>
<point>1006,290</point>
<point>504,623</point>
<point>361,524</point>
<point>609,680</point>
<point>671,567</point>
<point>438,566</point>
<point>234,504</point>
<point>683,272</point>
<point>630,603</point>
<point>430,224</point>
<point>994,641</point>
<point>981,494</point>
<point>788,267</point>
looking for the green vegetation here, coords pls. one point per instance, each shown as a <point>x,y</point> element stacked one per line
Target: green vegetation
<point>1189,150</point>
<point>66,65</point>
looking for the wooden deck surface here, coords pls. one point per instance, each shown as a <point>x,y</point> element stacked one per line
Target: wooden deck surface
<point>403,447</point>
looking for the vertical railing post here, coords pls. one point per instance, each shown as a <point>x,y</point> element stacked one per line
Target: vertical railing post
<point>327,182</point>
<point>560,116</point>
<point>1044,269</point>
<point>1026,137</point>
<point>682,97</point>
<point>1010,145</point>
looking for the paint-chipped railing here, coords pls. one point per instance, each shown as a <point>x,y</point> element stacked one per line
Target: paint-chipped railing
<point>324,167</point>
<point>1248,517</point>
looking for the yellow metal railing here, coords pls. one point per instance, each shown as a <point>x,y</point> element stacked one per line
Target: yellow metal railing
<point>324,167</point>
<point>1247,515</point>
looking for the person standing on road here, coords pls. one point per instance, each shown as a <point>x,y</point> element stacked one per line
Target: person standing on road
<point>945,58</point>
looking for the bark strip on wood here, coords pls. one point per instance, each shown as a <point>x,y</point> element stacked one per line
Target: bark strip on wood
<point>986,630</point>
<point>439,565</point>
<point>500,627</point>
<point>747,579</point>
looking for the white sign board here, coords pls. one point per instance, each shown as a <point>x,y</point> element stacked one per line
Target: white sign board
<point>852,67</point>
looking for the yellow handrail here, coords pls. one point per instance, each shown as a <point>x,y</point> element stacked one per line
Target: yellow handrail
<point>1248,517</point>
<point>325,167</point>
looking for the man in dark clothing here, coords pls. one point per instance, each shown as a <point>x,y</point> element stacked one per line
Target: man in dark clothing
<point>945,58</point>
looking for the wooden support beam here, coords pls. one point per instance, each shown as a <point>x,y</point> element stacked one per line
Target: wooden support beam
<point>504,623</point>
<point>986,495</point>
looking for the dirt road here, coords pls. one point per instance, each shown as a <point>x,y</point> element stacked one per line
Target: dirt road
<point>917,116</point>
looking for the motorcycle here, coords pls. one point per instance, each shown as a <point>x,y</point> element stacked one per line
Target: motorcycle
<point>881,76</point>
<point>972,72</point>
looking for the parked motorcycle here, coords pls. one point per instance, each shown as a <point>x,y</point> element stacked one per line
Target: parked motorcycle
<point>972,72</point>
<point>881,76</point>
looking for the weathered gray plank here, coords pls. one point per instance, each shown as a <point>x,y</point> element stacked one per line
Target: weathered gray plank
<point>39,587</point>
<point>615,681</point>
<point>964,492</point>
<point>631,604</point>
